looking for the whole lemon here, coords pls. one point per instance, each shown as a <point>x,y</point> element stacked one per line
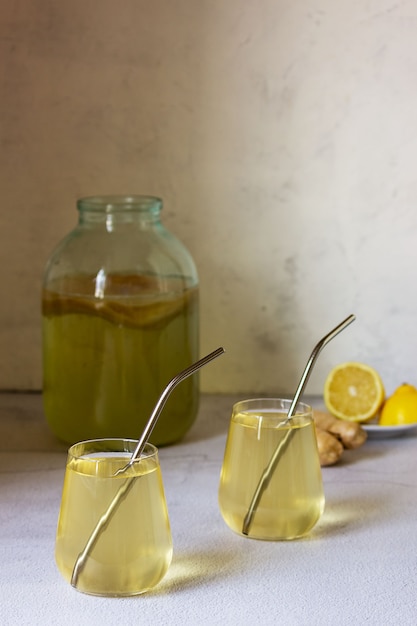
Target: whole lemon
<point>400,408</point>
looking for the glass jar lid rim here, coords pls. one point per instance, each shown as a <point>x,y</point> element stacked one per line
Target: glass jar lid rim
<point>115,202</point>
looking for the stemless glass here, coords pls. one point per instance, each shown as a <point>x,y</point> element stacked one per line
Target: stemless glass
<point>133,550</point>
<point>292,500</point>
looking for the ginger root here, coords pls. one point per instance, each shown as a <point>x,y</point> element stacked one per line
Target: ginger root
<point>334,435</point>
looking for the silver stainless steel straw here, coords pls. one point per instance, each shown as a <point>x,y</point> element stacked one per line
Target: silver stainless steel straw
<point>128,483</point>
<point>270,468</point>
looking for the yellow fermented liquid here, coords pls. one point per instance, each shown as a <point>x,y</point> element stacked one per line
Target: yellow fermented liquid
<point>107,359</point>
<point>293,501</point>
<point>134,550</point>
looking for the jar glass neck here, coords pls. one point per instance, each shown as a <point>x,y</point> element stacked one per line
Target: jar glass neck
<point>119,209</point>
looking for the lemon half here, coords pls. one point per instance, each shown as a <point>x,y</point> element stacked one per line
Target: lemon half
<point>354,392</point>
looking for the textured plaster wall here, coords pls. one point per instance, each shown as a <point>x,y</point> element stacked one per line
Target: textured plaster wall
<point>282,136</point>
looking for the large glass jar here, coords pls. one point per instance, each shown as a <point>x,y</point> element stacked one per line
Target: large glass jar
<point>120,319</point>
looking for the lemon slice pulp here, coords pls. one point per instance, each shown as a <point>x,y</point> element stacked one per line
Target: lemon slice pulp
<point>354,392</point>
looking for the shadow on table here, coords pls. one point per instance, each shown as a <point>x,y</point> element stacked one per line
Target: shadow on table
<point>189,571</point>
<point>344,516</point>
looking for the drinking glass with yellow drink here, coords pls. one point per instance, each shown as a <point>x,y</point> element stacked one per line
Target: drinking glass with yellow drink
<point>133,550</point>
<point>289,492</point>
<point>113,534</point>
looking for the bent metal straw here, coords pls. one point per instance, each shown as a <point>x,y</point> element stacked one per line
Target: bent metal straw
<point>128,483</point>
<point>270,468</point>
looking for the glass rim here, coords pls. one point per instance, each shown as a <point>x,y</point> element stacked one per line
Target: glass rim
<point>280,404</point>
<point>87,447</point>
<point>118,202</point>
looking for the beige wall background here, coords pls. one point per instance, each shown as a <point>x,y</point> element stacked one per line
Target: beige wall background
<point>282,136</point>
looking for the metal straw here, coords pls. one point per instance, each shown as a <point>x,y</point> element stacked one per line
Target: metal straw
<point>270,468</point>
<point>128,483</point>
<point>161,403</point>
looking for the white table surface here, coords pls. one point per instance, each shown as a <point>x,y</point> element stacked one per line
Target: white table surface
<point>358,566</point>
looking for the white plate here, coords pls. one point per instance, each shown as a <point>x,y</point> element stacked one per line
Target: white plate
<point>384,432</point>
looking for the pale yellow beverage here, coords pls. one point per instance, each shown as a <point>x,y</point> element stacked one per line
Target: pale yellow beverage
<point>107,359</point>
<point>134,548</point>
<point>293,499</point>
